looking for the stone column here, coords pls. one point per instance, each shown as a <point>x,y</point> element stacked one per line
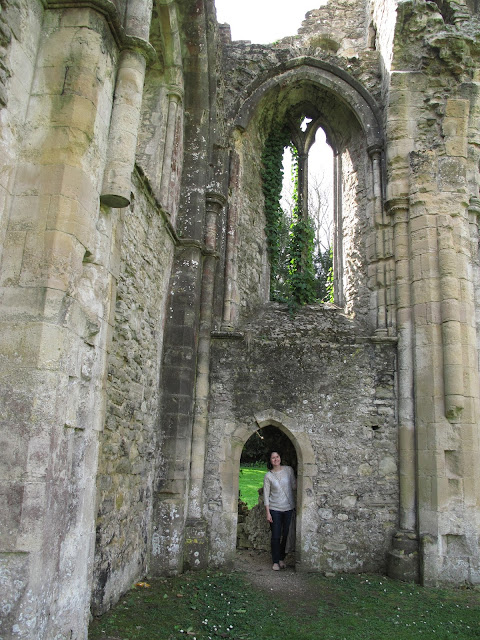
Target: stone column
<point>380,253</point>
<point>57,277</point>
<point>403,558</point>
<point>138,17</point>
<point>446,364</point>
<point>177,410</point>
<point>450,316</point>
<point>337,231</point>
<point>196,549</point>
<point>122,139</point>
<point>473,219</point>
<point>182,323</point>
<point>375,154</point>
<point>303,182</point>
<point>230,295</point>
<point>166,187</point>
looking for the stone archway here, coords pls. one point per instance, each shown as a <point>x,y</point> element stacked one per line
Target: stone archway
<point>305,534</point>
<point>342,106</point>
<point>322,74</point>
<point>253,531</point>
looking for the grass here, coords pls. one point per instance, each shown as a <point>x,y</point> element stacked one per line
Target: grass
<point>212,605</point>
<point>250,480</point>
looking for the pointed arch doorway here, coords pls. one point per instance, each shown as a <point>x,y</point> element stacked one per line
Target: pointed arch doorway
<point>299,451</point>
<point>253,531</point>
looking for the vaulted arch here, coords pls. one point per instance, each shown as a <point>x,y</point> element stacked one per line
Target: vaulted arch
<point>338,103</point>
<point>320,74</point>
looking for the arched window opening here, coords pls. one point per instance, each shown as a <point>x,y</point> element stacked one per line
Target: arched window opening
<point>253,531</point>
<point>320,210</point>
<point>301,230</point>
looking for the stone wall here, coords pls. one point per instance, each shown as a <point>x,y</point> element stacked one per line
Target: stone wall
<point>382,31</point>
<point>247,65</point>
<point>331,388</point>
<point>60,263</point>
<point>342,27</point>
<point>131,438</point>
<point>270,107</point>
<point>356,231</point>
<point>20,25</point>
<point>431,133</point>
<point>90,343</point>
<point>57,271</point>
<point>253,278</point>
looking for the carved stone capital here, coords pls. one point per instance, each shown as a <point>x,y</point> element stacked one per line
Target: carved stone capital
<point>398,208</point>
<point>474,206</point>
<point>374,150</point>
<point>215,200</point>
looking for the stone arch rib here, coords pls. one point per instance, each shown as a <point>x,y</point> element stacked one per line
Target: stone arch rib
<point>304,450</point>
<point>323,74</point>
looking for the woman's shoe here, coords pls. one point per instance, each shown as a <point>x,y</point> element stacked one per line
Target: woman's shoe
<point>282,565</point>
<point>276,567</point>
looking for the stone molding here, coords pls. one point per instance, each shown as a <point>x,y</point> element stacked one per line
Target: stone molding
<point>109,10</point>
<point>188,243</point>
<point>324,74</point>
<point>215,198</point>
<point>375,150</point>
<point>392,205</point>
<point>228,333</point>
<point>306,455</point>
<point>474,206</point>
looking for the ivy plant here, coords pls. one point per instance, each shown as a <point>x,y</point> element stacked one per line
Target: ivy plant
<point>275,228</point>
<point>295,284</point>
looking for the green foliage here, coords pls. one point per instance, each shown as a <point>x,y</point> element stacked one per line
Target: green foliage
<point>249,482</point>
<point>323,262</point>
<point>272,181</point>
<point>330,297</point>
<point>258,447</point>
<point>255,449</point>
<point>209,605</point>
<point>290,244</point>
<point>302,273</point>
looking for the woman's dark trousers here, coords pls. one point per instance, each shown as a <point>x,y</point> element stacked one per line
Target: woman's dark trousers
<point>279,528</point>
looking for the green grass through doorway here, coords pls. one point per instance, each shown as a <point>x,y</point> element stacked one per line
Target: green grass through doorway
<point>213,605</point>
<point>250,480</point>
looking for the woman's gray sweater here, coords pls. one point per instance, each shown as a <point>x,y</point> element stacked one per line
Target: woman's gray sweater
<point>278,489</point>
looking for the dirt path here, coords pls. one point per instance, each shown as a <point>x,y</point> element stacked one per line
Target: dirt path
<point>294,588</point>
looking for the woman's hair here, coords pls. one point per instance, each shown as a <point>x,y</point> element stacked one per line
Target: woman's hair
<point>269,464</point>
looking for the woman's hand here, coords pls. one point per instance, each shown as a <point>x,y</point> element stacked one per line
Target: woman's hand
<point>269,517</point>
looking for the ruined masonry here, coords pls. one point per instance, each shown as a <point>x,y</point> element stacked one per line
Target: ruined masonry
<point>139,349</point>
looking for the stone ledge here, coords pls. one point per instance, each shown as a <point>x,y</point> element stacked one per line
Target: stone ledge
<point>227,334</point>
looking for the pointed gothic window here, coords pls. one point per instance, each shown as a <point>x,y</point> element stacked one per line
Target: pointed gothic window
<point>306,231</point>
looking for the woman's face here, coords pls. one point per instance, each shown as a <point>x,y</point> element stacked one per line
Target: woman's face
<point>275,459</point>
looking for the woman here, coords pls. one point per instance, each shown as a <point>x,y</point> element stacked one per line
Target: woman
<point>279,485</point>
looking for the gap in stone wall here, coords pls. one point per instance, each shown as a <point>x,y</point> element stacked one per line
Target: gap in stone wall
<point>253,531</point>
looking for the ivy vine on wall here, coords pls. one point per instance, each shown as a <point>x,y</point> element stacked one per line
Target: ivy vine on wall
<point>290,245</point>
<point>272,181</point>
